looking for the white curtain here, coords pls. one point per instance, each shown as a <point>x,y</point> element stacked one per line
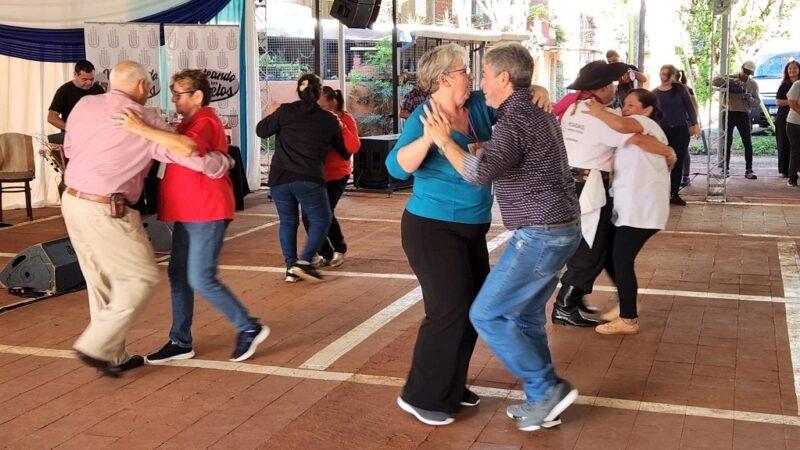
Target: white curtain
<point>26,89</point>
<point>253,169</point>
<point>72,14</point>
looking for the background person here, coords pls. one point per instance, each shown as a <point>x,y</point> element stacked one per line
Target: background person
<point>791,73</point>
<point>201,209</point>
<point>337,175</point>
<point>742,96</point>
<point>68,95</point>
<point>303,131</point>
<point>679,123</point>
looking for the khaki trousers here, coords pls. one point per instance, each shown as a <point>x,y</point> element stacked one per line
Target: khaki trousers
<point>119,266</point>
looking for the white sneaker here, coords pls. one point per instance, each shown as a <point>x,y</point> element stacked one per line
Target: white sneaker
<point>291,278</point>
<point>337,260</point>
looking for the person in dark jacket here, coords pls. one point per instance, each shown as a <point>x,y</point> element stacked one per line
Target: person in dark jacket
<point>679,123</point>
<point>303,131</point>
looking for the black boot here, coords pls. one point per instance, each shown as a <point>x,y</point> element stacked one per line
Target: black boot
<point>565,310</point>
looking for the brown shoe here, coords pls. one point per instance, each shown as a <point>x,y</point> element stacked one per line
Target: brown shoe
<point>619,326</point>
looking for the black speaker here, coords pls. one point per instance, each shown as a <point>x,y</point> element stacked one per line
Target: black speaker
<point>356,13</point>
<point>159,234</point>
<point>369,168</point>
<point>50,267</point>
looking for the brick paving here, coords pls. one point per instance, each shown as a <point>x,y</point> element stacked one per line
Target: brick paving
<point>714,357</point>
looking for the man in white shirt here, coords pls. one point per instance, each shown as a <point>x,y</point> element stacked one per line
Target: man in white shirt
<point>590,147</point>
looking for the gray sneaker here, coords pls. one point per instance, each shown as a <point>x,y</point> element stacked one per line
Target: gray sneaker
<point>425,416</point>
<point>519,411</point>
<point>535,415</point>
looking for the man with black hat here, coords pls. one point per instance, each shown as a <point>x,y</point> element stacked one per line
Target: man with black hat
<point>590,147</point>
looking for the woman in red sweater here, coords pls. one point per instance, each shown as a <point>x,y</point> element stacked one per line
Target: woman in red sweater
<point>337,174</point>
<point>201,209</point>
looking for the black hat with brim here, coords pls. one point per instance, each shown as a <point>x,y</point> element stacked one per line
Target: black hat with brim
<point>598,74</point>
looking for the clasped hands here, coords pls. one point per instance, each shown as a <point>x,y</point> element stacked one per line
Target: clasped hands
<point>437,126</point>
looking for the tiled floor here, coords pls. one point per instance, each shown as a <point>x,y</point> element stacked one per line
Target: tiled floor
<point>712,368</point>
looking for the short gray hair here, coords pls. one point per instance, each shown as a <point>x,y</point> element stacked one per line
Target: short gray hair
<point>514,59</point>
<point>437,61</point>
<point>126,75</point>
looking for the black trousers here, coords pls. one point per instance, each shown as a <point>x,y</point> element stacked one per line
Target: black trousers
<point>587,263</point>
<point>451,262</point>
<point>793,135</point>
<point>784,147</point>
<point>678,138</point>
<point>335,241</point>
<point>740,121</point>
<point>628,241</point>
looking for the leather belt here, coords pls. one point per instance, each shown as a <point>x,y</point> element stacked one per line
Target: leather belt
<point>91,197</point>
<point>554,226</point>
<point>580,175</point>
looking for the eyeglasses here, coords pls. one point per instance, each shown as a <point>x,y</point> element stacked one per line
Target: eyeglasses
<point>178,94</point>
<point>465,70</point>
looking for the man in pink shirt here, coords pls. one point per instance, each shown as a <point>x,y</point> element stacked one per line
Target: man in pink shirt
<point>107,166</point>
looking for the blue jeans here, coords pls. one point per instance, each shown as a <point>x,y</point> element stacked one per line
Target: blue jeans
<point>313,198</point>
<point>193,267</point>
<point>509,310</point>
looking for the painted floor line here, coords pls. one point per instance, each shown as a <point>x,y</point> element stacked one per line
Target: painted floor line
<point>251,230</point>
<point>282,270</point>
<point>746,235</point>
<point>24,224</point>
<point>790,274</point>
<point>338,348</point>
<point>687,232</point>
<point>711,295</point>
<point>643,291</point>
<point>354,219</point>
<point>394,382</point>
<point>791,205</point>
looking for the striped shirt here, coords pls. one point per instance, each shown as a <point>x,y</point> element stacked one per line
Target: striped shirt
<point>527,161</point>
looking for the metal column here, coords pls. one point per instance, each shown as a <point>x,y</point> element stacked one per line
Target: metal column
<point>716,190</point>
<point>318,40</point>
<point>395,80</point>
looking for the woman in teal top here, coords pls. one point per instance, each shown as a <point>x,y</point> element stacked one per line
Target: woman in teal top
<point>443,231</point>
<point>439,191</point>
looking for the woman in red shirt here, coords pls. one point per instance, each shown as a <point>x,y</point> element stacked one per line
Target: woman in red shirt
<point>201,209</point>
<point>337,174</point>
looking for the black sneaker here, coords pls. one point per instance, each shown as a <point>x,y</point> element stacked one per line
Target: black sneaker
<point>750,175</point>
<point>677,200</point>
<point>791,182</point>
<point>305,271</point>
<point>291,278</point>
<point>169,352</point>
<point>470,398</point>
<point>102,366</point>
<point>132,363</point>
<point>247,342</point>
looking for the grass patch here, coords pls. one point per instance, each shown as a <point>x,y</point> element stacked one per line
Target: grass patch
<point>762,146</point>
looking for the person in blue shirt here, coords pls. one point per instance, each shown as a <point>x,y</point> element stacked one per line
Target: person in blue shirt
<point>443,234</point>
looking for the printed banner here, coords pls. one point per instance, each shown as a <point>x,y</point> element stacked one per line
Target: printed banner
<point>215,50</point>
<point>109,43</point>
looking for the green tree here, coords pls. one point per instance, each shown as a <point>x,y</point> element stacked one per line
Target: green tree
<point>375,91</point>
<point>753,22</point>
